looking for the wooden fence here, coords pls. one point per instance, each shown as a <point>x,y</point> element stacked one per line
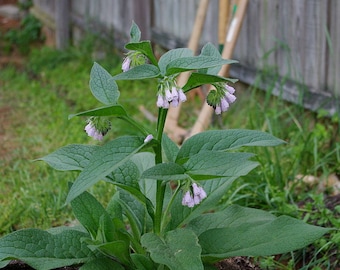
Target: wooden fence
<point>293,45</point>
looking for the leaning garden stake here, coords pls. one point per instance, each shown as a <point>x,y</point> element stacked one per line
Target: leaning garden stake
<point>164,214</point>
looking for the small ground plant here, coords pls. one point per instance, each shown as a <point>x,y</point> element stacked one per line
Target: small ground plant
<point>164,213</point>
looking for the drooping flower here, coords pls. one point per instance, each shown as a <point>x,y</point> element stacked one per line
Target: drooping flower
<point>148,138</point>
<point>199,193</point>
<point>169,93</point>
<point>193,196</point>
<point>221,98</point>
<point>97,128</point>
<point>188,200</point>
<point>126,64</point>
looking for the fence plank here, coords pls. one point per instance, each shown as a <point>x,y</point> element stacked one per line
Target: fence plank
<point>288,37</point>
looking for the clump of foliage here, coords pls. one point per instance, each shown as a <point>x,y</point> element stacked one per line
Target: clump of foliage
<point>165,211</point>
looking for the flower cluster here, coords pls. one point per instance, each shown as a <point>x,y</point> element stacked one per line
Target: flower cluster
<point>97,128</point>
<point>221,98</point>
<point>133,59</point>
<point>169,93</point>
<point>194,197</point>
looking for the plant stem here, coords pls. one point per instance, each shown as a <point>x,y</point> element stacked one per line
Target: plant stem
<point>158,159</point>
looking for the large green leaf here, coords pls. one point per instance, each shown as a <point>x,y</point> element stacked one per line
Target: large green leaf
<point>90,212</point>
<point>165,171</point>
<point>233,216</point>
<point>112,110</point>
<point>254,234</point>
<point>141,72</point>
<point>115,249</point>
<point>145,48</point>
<point>179,249</point>
<point>72,157</point>
<point>212,164</point>
<point>222,140</point>
<point>193,63</point>
<point>171,56</point>
<point>102,87</point>
<point>203,166</point>
<point>104,160</point>
<point>42,250</point>
<point>170,148</point>
<point>210,50</point>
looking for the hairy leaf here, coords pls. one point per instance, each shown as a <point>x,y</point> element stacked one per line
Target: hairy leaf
<point>258,235</point>
<point>171,56</point>
<point>42,250</point>
<point>193,63</point>
<point>102,87</point>
<point>179,249</point>
<point>135,33</point>
<point>141,72</point>
<point>166,171</point>
<point>89,212</point>
<point>222,140</point>
<point>72,157</point>
<point>104,160</point>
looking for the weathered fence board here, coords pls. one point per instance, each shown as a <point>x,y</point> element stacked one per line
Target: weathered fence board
<point>299,40</point>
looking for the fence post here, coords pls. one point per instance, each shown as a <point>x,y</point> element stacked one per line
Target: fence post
<point>62,20</point>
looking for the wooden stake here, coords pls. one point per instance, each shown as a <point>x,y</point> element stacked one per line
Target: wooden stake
<point>174,131</point>
<point>204,117</point>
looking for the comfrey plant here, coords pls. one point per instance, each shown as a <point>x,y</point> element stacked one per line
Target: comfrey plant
<point>164,212</point>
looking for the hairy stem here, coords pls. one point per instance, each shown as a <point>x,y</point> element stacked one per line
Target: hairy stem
<point>158,159</point>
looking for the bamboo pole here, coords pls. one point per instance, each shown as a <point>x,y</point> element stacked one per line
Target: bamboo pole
<point>204,117</point>
<point>174,131</point>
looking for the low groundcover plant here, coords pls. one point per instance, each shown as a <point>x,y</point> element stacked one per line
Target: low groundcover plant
<point>164,212</point>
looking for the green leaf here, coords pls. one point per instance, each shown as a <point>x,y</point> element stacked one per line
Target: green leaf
<point>145,48</point>
<point>210,165</point>
<point>90,212</point>
<point>222,140</point>
<point>102,264</point>
<point>115,249</point>
<point>135,33</point>
<point>171,56</point>
<point>210,50</point>
<point>126,174</point>
<point>193,63</point>
<point>105,160</point>
<point>170,148</point>
<point>179,249</point>
<point>233,216</point>
<point>141,72</point>
<point>42,250</point>
<point>102,87</point>
<point>112,110</point>
<point>142,262</point>
<point>198,79</point>
<point>256,234</point>
<point>72,157</point>
<point>144,161</point>
<point>165,171</point>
